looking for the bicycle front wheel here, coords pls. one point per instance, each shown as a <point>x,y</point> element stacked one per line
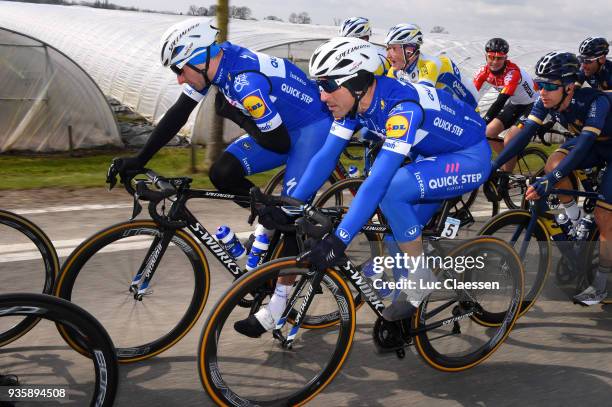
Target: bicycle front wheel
<point>82,386</point>
<point>98,276</point>
<point>28,262</point>
<point>260,371</point>
<point>449,333</point>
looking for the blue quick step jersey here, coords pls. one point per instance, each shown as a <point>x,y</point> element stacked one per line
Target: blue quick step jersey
<point>417,118</point>
<point>269,89</point>
<point>601,80</point>
<point>447,135</point>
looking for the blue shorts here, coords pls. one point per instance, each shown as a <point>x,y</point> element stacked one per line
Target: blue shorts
<point>418,189</point>
<point>305,143</point>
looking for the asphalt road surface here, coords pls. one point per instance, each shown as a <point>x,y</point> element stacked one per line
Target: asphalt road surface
<point>558,353</point>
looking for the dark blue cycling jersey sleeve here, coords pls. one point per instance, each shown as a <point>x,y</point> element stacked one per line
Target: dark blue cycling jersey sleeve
<point>517,144</point>
<point>593,126</point>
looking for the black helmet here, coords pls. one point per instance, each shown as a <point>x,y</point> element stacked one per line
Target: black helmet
<point>563,66</point>
<point>594,47</point>
<point>497,45</point>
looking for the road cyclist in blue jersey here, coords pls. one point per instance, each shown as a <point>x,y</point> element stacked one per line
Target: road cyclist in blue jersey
<point>586,113</point>
<point>270,98</point>
<point>447,136</point>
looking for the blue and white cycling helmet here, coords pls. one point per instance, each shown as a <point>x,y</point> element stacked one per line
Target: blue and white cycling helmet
<point>355,27</point>
<point>189,41</point>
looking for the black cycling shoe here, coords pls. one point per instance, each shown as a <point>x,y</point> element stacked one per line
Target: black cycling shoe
<point>250,327</point>
<point>399,310</point>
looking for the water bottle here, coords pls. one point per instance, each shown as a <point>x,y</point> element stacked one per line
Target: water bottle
<point>230,242</point>
<point>585,225</point>
<point>258,250</point>
<point>353,172</point>
<point>566,226</point>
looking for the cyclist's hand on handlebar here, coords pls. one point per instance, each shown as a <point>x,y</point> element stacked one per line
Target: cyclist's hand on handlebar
<point>273,217</point>
<point>327,252</point>
<point>126,167</point>
<point>539,189</point>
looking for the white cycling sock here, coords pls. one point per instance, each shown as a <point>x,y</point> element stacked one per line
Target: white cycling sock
<point>422,277</point>
<point>572,210</point>
<point>278,302</point>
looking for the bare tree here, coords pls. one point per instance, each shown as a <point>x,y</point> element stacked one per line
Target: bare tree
<point>301,18</point>
<point>338,21</point>
<point>214,147</point>
<point>193,10</point>
<point>438,29</point>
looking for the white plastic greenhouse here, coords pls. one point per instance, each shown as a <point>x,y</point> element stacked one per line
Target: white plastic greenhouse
<point>119,50</point>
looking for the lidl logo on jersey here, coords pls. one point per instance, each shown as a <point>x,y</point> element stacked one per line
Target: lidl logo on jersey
<point>255,105</point>
<point>397,126</point>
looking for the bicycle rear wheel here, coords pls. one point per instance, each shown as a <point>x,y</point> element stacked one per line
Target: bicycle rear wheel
<point>259,371</point>
<point>98,277</point>
<point>28,255</point>
<point>50,368</point>
<point>449,333</point>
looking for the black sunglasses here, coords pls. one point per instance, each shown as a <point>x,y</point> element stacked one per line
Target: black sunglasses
<point>327,85</point>
<point>176,69</point>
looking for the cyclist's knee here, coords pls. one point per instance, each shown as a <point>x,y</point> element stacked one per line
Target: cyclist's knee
<point>553,161</point>
<point>226,171</point>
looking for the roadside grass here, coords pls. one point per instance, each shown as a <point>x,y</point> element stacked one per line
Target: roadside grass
<point>88,168</point>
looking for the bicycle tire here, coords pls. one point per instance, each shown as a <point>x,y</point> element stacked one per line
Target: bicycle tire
<point>376,249</point>
<point>452,362</point>
<point>519,218</point>
<point>208,361</point>
<point>97,339</point>
<point>528,169</point>
<point>75,263</point>
<point>51,268</point>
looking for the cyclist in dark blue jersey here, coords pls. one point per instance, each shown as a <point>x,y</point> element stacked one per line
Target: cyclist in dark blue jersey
<point>595,69</point>
<point>448,136</point>
<point>586,113</point>
<point>269,97</point>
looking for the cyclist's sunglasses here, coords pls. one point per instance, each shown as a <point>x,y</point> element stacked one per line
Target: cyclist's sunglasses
<point>176,69</point>
<point>586,60</point>
<point>548,86</point>
<point>328,85</point>
<point>496,56</point>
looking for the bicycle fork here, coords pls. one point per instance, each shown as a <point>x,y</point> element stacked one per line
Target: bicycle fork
<point>140,285</point>
<point>315,284</point>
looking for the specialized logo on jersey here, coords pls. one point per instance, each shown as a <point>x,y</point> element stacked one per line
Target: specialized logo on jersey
<point>240,82</point>
<point>255,106</point>
<point>397,126</point>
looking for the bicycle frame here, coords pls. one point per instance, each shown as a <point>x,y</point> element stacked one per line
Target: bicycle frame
<point>364,287</point>
<point>179,211</point>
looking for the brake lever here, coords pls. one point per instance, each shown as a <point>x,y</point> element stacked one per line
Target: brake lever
<point>137,207</point>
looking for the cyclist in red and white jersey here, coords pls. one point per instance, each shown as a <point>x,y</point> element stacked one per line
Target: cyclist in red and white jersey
<point>517,93</point>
